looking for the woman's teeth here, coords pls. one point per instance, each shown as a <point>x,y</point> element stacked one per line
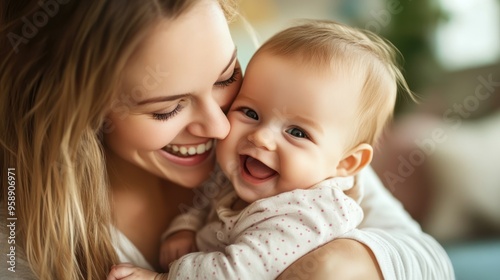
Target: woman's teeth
<point>188,150</point>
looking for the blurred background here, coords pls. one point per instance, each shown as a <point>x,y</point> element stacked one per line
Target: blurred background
<point>440,158</point>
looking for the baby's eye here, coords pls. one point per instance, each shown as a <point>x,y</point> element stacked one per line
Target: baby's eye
<point>296,132</point>
<point>250,113</point>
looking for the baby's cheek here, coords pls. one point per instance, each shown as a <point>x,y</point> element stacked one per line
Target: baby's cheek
<point>222,152</point>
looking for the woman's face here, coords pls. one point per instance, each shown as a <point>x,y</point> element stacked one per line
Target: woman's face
<point>175,90</point>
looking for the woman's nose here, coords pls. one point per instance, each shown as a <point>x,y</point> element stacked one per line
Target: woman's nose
<point>211,122</point>
<point>264,138</point>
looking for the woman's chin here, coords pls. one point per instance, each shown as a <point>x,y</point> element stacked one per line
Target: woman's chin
<point>192,183</point>
<point>193,178</point>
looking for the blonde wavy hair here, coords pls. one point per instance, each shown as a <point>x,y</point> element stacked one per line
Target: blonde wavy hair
<point>326,44</point>
<point>59,72</point>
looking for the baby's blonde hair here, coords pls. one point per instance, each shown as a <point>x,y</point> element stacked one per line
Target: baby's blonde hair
<point>363,54</point>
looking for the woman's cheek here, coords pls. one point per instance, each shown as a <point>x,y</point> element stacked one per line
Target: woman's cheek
<point>147,134</point>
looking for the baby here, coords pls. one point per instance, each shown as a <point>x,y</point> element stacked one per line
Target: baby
<point>314,100</point>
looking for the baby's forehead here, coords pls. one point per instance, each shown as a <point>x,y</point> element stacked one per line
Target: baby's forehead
<point>316,86</point>
<point>334,65</point>
<point>302,70</point>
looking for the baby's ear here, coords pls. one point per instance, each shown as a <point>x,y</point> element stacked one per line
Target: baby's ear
<point>355,160</point>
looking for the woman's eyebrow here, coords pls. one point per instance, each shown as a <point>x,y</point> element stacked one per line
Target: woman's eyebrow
<point>230,62</point>
<point>162,98</point>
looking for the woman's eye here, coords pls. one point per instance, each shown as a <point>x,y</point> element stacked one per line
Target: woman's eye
<point>296,132</point>
<point>166,116</point>
<point>232,79</point>
<point>250,113</point>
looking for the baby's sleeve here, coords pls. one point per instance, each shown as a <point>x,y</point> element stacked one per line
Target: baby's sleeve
<point>273,233</point>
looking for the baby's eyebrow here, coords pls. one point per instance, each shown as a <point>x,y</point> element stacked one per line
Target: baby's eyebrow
<point>309,122</point>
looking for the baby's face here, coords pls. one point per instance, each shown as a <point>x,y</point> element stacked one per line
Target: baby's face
<point>290,127</point>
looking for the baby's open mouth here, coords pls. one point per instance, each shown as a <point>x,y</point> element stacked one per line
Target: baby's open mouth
<point>188,150</point>
<point>256,168</point>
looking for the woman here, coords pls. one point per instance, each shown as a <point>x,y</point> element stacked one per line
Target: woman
<point>109,111</point>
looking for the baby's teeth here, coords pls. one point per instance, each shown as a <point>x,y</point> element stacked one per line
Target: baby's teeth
<point>192,150</point>
<point>200,149</point>
<point>208,145</point>
<point>183,150</point>
<point>175,148</point>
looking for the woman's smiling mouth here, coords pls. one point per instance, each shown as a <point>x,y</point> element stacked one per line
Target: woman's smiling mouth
<point>188,155</point>
<point>188,150</point>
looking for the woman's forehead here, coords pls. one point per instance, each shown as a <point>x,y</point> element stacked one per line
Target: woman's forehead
<point>184,54</point>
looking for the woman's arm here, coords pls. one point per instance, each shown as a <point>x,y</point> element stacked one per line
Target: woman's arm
<point>340,259</point>
<point>388,241</point>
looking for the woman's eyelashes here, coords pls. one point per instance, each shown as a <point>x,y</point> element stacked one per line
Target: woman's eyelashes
<point>234,77</point>
<point>166,116</point>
